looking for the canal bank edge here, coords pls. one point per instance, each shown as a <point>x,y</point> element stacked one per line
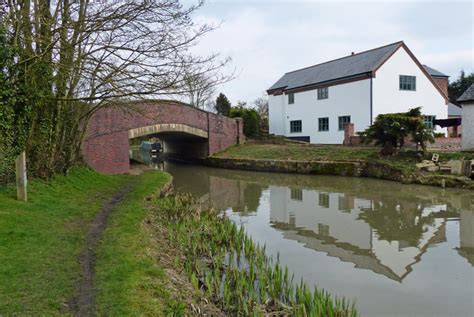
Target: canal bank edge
<point>355,168</point>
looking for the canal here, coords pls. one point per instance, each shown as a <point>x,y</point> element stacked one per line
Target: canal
<point>398,250</point>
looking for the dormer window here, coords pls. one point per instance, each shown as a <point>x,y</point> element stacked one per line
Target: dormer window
<point>407,82</point>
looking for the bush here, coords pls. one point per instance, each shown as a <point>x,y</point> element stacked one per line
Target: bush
<point>250,117</point>
<point>390,131</point>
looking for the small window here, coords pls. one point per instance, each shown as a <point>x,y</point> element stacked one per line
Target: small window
<point>295,126</point>
<point>429,121</point>
<point>323,124</point>
<point>323,93</point>
<point>407,82</point>
<point>296,194</point>
<point>323,229</point>
<point>291,98</point>
<point>343,120</point>
<point>324,200</point>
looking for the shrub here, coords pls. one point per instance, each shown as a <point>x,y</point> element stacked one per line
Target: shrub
<point>390,131</point>
<point>250,117</point>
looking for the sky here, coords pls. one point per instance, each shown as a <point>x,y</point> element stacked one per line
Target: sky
<point>266,39</point>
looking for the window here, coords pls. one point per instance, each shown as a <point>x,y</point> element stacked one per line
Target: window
<point>324,200</point>
<point>343,120</point>
<point>323,229</point>
<point>323,93</point>
<point>407,82</point>
<point>296,194</point>
<point>291,98</point>
<point>295,126</point>
<point>323,124</point>
<point>429,121</point>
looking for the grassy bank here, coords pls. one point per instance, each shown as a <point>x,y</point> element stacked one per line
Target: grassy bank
<point>231,270</point>
<point>282,150</point>
<point>40,241</point>
<point>401,167</point>
<point>127,278</point>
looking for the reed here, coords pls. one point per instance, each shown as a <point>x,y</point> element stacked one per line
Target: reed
<point>234,271</point>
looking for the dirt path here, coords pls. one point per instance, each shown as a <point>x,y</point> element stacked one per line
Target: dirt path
<point>83,302</point>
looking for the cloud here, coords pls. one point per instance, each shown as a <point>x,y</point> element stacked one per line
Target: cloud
<point>266,38</point>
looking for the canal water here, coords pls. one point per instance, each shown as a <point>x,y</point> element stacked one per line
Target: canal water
<point>398,250</point>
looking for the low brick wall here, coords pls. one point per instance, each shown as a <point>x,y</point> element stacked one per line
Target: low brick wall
<point>350,139</point>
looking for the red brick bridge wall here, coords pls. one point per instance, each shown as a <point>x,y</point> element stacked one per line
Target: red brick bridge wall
<point>106,145</point>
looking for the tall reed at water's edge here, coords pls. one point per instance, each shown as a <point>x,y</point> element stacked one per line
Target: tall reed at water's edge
<point>233,270</point>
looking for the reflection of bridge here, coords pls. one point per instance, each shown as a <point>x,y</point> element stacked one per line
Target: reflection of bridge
<point>186,132</point>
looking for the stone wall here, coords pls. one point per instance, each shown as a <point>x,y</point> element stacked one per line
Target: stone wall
<point>106,145</point>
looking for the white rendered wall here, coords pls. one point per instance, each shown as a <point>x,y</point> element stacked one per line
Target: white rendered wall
<point>467,141</point>
<point>276,115</point>
<point>351,99</point>
<point>388,98</point>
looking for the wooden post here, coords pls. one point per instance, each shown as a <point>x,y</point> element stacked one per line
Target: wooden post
<point>21,181</point>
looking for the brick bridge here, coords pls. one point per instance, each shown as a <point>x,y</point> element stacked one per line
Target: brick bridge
<point>185,131</point>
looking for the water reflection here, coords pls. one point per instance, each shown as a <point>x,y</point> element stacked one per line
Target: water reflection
<point>383,236</point>
<point>385,228</point>
<point>466,234</point>
<point>337,232</point>
<point>155,162</point>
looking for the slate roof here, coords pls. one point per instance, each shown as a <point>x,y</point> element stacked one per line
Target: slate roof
<point>345,67</point>
<point>468,95</point>
<point>433,72</point>
<point>453,110</point>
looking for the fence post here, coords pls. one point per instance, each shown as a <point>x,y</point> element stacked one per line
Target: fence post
<point>21,180</point>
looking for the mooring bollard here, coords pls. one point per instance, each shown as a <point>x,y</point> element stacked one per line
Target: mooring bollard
<point>21,180</point>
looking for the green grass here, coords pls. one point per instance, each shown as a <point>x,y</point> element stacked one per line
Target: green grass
<point>284,150</point>
<point>40,241</point>
<point>127,279</point>
<point>295,151</point>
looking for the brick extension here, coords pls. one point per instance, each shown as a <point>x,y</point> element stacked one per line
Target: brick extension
<point>106,145</point>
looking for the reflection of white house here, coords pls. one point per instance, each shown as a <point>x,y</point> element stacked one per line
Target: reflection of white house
<point>331,223</point>
<point>312,104</point>
<point>466,235</point>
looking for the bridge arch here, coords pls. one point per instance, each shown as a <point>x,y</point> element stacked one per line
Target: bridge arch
<point>185,130</point>
<point>166,128</point>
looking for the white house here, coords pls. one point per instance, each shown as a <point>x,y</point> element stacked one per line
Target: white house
<point>312,104</point>
<point>467,102</point>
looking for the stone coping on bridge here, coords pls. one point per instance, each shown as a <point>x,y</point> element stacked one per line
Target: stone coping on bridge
<point>166,127</point>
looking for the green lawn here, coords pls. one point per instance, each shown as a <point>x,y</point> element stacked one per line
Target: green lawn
<point>295,151</point>
<point>40,241</point>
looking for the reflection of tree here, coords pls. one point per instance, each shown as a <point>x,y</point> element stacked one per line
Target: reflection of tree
<point>251,201</point>
<point>400,221</point>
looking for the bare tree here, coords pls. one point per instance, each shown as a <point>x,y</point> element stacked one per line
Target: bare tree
<point>201,85</point>
<point>77,55</point>
<point>261,105</point>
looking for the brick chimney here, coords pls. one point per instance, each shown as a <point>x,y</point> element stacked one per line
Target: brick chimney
<point>442,83</point>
